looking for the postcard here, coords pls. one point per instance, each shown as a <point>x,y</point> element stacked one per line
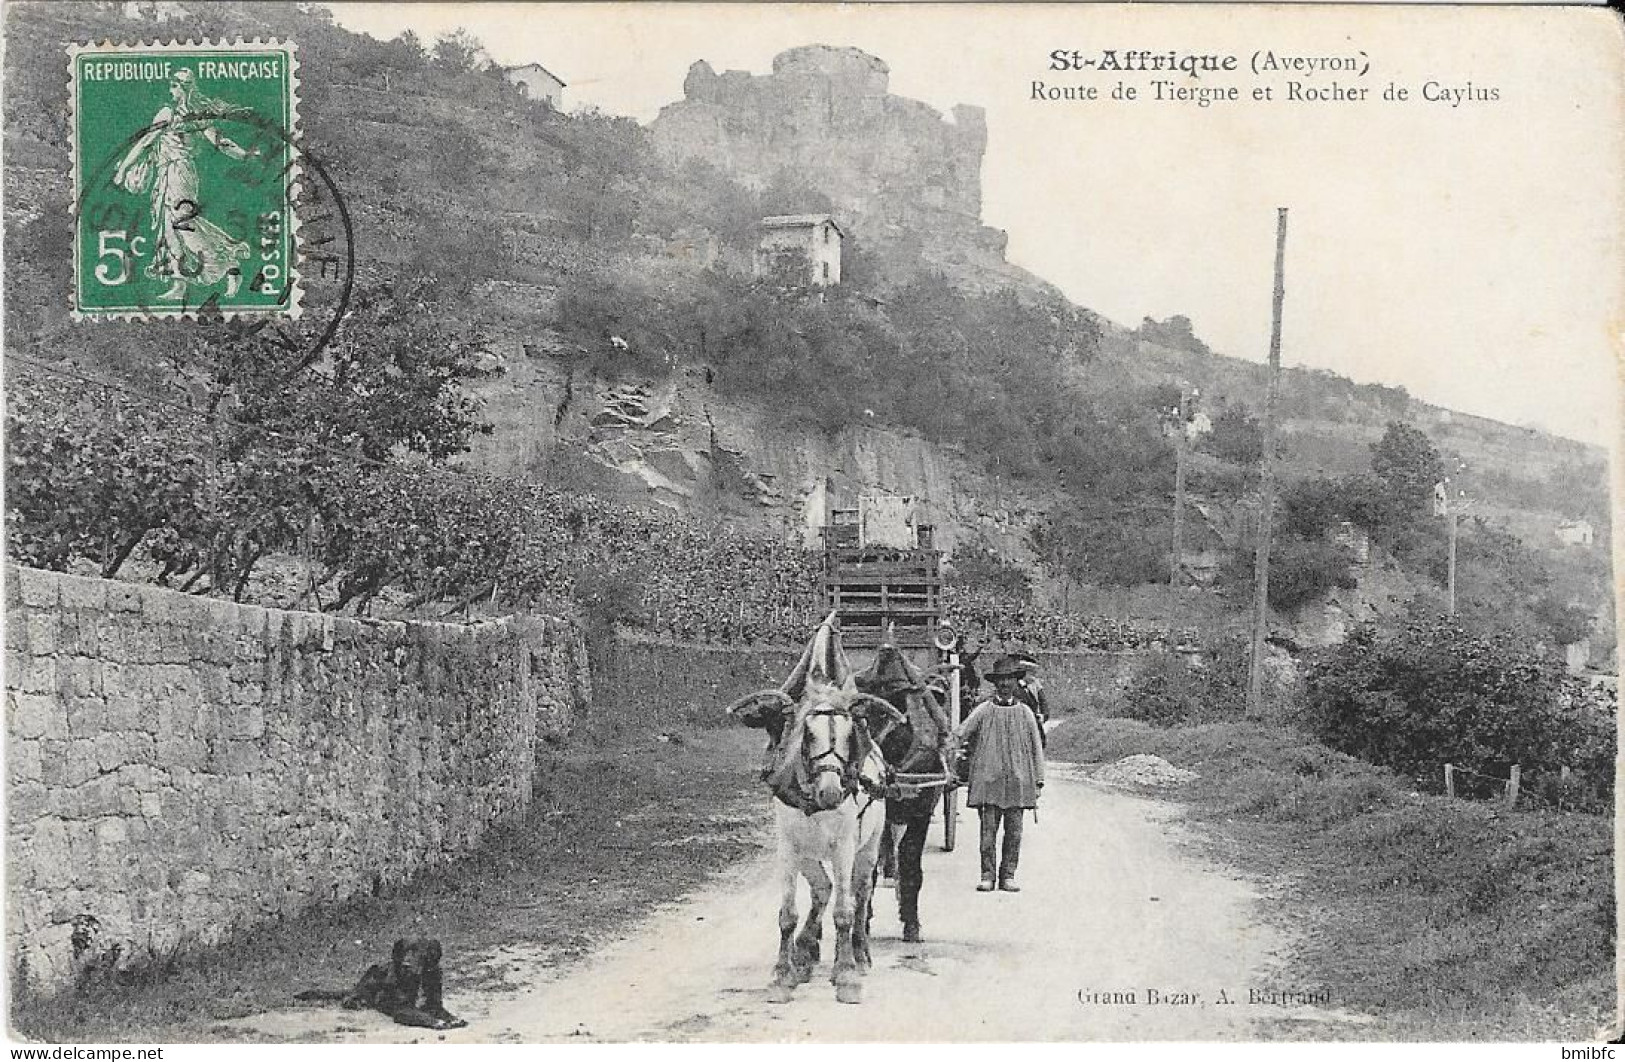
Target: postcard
<point>811,523</point>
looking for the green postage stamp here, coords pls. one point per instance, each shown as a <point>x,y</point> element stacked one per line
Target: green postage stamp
<point>185,166</point>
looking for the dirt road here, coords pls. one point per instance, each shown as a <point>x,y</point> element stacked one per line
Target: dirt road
<point>1122,931</point>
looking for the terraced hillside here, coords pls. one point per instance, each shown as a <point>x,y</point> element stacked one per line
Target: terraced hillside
<point>608,267</point>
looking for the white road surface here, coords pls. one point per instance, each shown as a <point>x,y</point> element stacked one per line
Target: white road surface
<point>1123,931</point>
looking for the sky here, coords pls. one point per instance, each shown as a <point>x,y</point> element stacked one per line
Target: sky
<point>1470,253</point>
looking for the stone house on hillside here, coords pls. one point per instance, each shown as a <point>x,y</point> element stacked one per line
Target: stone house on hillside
<point>1576,533</point>
<point>812,238</point>
<point>537,83</point>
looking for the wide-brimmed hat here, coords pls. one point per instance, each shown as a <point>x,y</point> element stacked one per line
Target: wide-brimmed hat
<point>1026,660</point>
<point>1006,666</point>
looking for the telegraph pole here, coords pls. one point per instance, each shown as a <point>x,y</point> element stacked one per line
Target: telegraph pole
<point>1442,506</point>
<point>1261,577</point>
<point>1451,590</point>
<point>1174,564</point>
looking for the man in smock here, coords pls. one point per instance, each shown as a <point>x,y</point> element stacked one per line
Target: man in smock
<point>1006,771</point>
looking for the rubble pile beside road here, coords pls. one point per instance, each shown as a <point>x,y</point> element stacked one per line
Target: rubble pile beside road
<point>1153,771</point>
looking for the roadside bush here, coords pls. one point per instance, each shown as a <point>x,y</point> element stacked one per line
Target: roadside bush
<point>1164,691</point>
<point>1169,689</point>
<point>1433,692</point>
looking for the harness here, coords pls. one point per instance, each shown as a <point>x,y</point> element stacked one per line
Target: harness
<point>797,774</point>
<point>921,767</point>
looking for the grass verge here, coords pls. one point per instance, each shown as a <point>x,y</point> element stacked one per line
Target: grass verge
<point>1445,919</point>
<point>613,831</point>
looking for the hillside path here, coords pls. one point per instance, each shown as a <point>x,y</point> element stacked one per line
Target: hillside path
<point>1114,900</point>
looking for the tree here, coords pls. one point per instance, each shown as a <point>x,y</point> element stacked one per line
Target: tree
<point>1565,624</point>
<point>1237,437</point>
<point>460,52</point>
<point>1409,466</point>
<point>89,473</point>
<point>435,533</point>
<point>244,443</point>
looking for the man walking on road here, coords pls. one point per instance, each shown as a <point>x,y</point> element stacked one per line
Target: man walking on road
<point>1031,692</point>
<point>1006,771</point>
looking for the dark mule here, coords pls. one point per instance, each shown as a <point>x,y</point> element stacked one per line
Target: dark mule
<point>918,746</point>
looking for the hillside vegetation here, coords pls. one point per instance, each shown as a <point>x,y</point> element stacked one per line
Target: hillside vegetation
<point>483,217</point>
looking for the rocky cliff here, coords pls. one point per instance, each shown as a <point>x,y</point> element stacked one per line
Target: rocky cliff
<point>904,180</point>
<point>681,444</point>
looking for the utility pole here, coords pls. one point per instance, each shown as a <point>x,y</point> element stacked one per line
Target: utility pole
<point>1451,586</point>
<point>1178,552</point>
<point>1261,576</point>
<point>1443,506</point>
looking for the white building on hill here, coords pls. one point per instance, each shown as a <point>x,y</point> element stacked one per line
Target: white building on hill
<point>538,83</point>
<point>1576,533</point>
<point>815,236</point>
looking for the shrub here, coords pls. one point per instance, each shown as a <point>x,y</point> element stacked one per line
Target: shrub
<point>1311,508</point>
<point>1168,689</point>
<point>1304,571</point>
<point>1433,692</point>
<point>1163,690</point>
<point>1237,437</point>
<point>1176,332</point>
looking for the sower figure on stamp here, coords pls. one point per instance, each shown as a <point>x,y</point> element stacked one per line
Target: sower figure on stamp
<point>188,248</point>
<point>1006,771</point>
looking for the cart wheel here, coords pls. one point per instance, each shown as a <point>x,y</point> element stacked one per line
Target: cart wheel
<point>950,819</point>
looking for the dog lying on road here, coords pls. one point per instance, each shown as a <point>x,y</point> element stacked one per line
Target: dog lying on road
<point>408,989</point>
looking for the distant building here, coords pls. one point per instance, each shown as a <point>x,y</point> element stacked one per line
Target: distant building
<point>1576,533</point>
<point>1577,655</point>
<point>538,83</point>
<point>812,239</point>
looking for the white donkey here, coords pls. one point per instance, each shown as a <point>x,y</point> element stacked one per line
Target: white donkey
<point>827,777</point>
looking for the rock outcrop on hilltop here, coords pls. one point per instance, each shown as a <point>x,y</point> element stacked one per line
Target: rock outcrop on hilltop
<point>901,176</point>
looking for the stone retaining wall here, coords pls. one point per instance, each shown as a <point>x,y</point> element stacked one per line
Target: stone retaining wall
<point>180,767</point>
